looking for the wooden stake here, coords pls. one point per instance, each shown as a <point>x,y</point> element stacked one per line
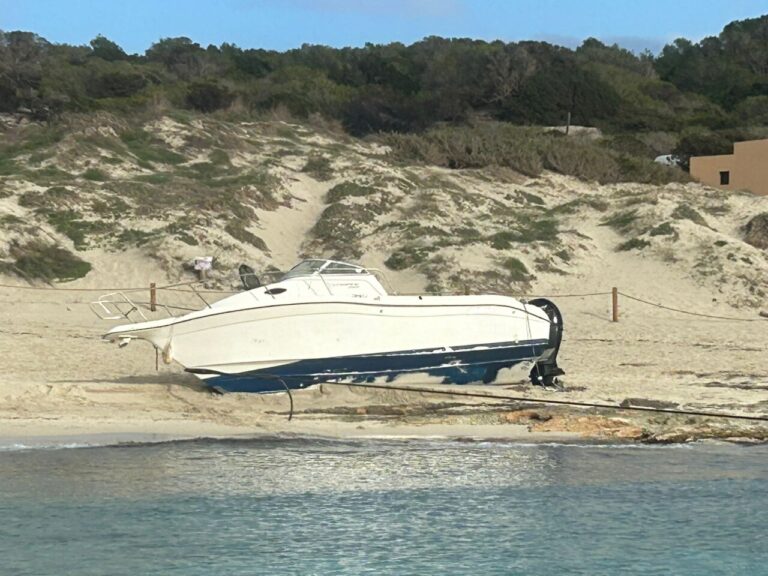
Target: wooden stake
<point>615,304</point>
<point>152,297</point>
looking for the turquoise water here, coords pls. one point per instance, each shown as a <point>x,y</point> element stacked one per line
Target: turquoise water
<point>303,506</point>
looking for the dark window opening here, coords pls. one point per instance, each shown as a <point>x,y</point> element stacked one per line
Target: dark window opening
<point>725,178</point>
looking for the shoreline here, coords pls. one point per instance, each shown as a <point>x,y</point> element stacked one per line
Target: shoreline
<point>14,444</point>
<point>127,440</point>
<point>108,414</point>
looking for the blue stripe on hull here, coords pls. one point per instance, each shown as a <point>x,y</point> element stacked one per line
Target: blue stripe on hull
<point>465,365</point>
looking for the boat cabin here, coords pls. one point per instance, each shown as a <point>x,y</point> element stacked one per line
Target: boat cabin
<point>315,278</point>
<point>333,278</point>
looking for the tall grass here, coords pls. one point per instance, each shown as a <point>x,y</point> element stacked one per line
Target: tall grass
<point>528,151</point>
<point>37,260</point>
<point>148,148</point>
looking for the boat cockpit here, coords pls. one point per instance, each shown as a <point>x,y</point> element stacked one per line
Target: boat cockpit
<point>317,266</point>
<point>313,278</point>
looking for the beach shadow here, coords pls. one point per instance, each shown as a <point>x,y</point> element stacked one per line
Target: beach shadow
<point>151,378</point>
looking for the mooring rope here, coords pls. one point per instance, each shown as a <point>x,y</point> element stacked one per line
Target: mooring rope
<point>546,401</point>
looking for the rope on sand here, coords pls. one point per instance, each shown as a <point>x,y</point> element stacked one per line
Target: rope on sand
<point>554,402</point>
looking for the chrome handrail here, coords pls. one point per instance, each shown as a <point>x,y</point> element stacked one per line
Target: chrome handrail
<point>111,307</point>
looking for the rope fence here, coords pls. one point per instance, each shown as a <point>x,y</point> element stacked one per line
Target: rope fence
<point>189,288</point>
<point>67,289</point>
<point>699,314</point>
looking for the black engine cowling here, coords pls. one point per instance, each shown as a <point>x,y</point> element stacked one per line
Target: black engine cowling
<point>545,371</point>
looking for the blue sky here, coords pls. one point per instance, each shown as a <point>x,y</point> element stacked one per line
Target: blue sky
<point>283,24</point>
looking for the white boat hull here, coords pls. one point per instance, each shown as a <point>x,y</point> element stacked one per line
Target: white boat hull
<point>459,339</point>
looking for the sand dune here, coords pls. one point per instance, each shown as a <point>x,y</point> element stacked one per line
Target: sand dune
<point>680,245</point>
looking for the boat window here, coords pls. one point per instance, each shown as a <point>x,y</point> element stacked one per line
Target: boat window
<point>341,268</point>
<point>305,268</point>
<point>310,267</point>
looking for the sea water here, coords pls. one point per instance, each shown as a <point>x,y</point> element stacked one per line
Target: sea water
<point>308,506</point>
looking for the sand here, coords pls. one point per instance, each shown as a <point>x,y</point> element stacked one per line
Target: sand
<point>60,381</point>
<point>62,384</point>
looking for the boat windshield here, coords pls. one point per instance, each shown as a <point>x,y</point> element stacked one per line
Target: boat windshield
<point>311,267</point>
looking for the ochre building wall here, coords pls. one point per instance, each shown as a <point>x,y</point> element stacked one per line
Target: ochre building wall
<point>747,167</point>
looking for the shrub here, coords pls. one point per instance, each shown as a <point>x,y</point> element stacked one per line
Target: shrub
<point>633,244</point>
<point>573,206</point>
<point>148,148</point>
<point>531,198</point>
<point>346,189</point>
<point>37,260</point>
<point>621,221</point>
<point>544,230</point>
<point>238,231</point>
<point>131,236</point>
<point>95,174</point>
<point>69,223</point>
<point>528,151</point>
<point>756,231</point>
<point>516,270</point>
<point>115,84</point>
<point>685,212</point>
<point>208,97</point>
<point>491,144</point>
<point>319,167</point>
<point>407,257</point>
<point>663,229</point>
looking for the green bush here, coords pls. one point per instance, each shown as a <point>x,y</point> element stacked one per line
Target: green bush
<point>528,231</point>
<point>148,148</point>
<point>663,229</point>
<point>685,212</point>
<point>37,260</point>
<point>407,257</point>
<point>528,151</point>
<point>132,237</point>
<point>516,270</point>
<point>319,167</point>
<point>346,189</point>
<point>621,221</point>
<point>70,223</point>
<point>95,174</point>
<point>633,244</point>
<point>238,231</point>
<point>208,96</point>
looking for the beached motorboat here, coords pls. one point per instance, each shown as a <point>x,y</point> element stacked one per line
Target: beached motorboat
<point>332,321</point>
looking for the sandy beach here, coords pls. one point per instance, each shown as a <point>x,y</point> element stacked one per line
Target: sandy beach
<point>456,231</point>
<point>62,385</point>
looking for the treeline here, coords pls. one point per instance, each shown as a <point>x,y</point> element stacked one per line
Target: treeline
<point>704,94</point>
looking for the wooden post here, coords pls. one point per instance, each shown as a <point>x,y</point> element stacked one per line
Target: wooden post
<point>615,304</point>
<point>152,297</point>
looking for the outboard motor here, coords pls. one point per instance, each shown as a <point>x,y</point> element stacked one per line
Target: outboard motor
<point>248,277</point>
<point>545,371</point>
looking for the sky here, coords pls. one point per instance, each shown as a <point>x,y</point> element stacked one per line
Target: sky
<point>285,24</point>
